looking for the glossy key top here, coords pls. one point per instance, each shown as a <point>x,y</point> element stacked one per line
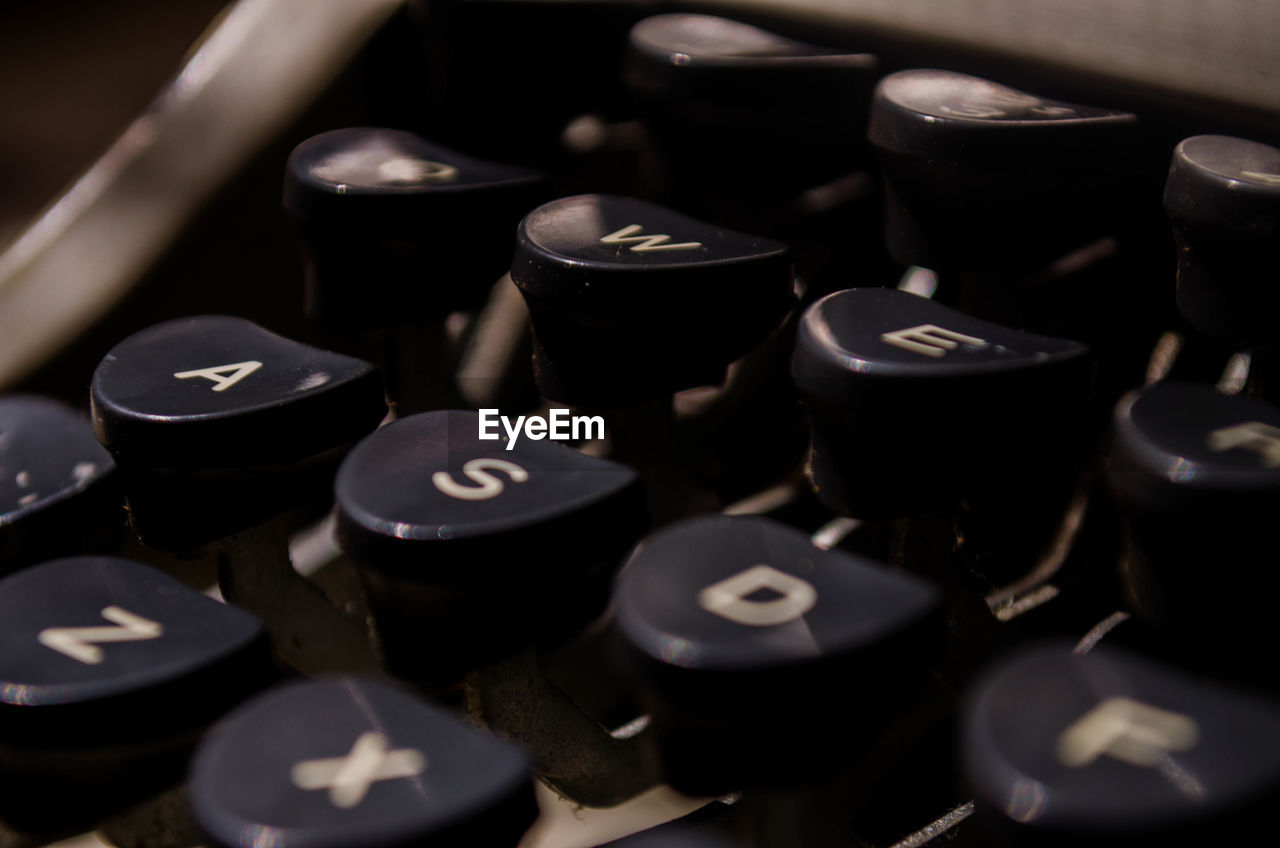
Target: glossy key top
<point>756,649</point>
<point>399,229</point>
<point>346,762</point>
<point>630,300</point>
<point>1223,199</point>
<point>1112,749</point>
<point>1198,475</point>
<point>745,110</point>
<point>912,402</point>
<point>474,549</point>
<point>982,175</point>
<point>59,493</point>
<point>109,671</point>
<point>218,423</point>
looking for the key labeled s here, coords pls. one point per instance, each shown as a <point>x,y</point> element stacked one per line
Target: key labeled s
<point>477,471</point>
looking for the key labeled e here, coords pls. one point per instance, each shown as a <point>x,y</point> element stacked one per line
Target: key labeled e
<point>477,471</point>
<point>731,597</point>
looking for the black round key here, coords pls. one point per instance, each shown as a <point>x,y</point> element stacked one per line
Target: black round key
<point>1198,475</point>
<point>1108,748</point>
<point>217,424</point>
<point>109,671</point>
<point>474,548</point>
<point>746,110</point>
<point>346,762</point>
<point>398,229</point>
<point>757,650</point>
<point>1223,199</point>
<point>912,403</point>
<point>630,300</point>
<point>982,175</point>
<point>58,488</point>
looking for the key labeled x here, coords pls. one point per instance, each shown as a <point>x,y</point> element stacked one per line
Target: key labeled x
<point>348,778</point>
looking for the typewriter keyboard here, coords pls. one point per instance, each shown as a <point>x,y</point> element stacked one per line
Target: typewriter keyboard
<point>595,423</point>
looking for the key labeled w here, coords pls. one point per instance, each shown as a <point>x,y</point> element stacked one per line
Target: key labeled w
<point>645,244</point>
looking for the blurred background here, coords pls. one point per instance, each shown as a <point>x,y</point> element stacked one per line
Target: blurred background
<point>73,74</point>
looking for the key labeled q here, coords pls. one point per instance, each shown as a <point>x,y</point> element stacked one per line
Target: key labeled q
<point>477,471</point>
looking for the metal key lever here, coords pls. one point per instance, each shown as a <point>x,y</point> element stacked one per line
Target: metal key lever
<point>93,244</point>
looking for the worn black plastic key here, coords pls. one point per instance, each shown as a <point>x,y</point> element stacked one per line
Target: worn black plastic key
<point>345,762</point>
<point>631,301</point>
<point>109,672</point>
<point>912,403</point>
<point>748,640</point>
<point>1107,748</point>
<point>742,110</point>
<point>981,175</point>
<point>1198,475</point>
<point>477,549</point>
<point>1223,199</point>
<point>398,229</point>
<point>218,424</point>
<point>58,488</point>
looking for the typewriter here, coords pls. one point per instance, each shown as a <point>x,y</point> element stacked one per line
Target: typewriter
<point>563,424</point>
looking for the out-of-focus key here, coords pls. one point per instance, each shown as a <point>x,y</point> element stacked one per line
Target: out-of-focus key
<point>58,489</point>
<point>1198,476</point>
<point>1223,199</point>
<point>1111,749</point>
<point>980,175</point>
<point>756,650</point>
<point>344,762</point>
<point>741,110</point>
<point>110,671</point>
<point>398,229</point>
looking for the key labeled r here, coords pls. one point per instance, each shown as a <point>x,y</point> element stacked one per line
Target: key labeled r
<point>731,597</point>
<point>1262,439</point>
<point>1128,730</point>
<point>477,471</point>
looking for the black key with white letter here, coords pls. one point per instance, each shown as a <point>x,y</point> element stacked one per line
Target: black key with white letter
<point>913,403</point>
<point>445,525</point>
<point>1110,749</point>
<point>399,229</point>
<point>982,175</point>
<point>218,424</point>
<point>631,301</point>
<point>59,493</point>
<point>742,110</point>
<point>109,671</point>
<point>1198,475</point>
<point>756,649</point>
<point>1223,199</point>
<point>354,763</point>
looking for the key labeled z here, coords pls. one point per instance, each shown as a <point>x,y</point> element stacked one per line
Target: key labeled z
<point>81,643</point>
